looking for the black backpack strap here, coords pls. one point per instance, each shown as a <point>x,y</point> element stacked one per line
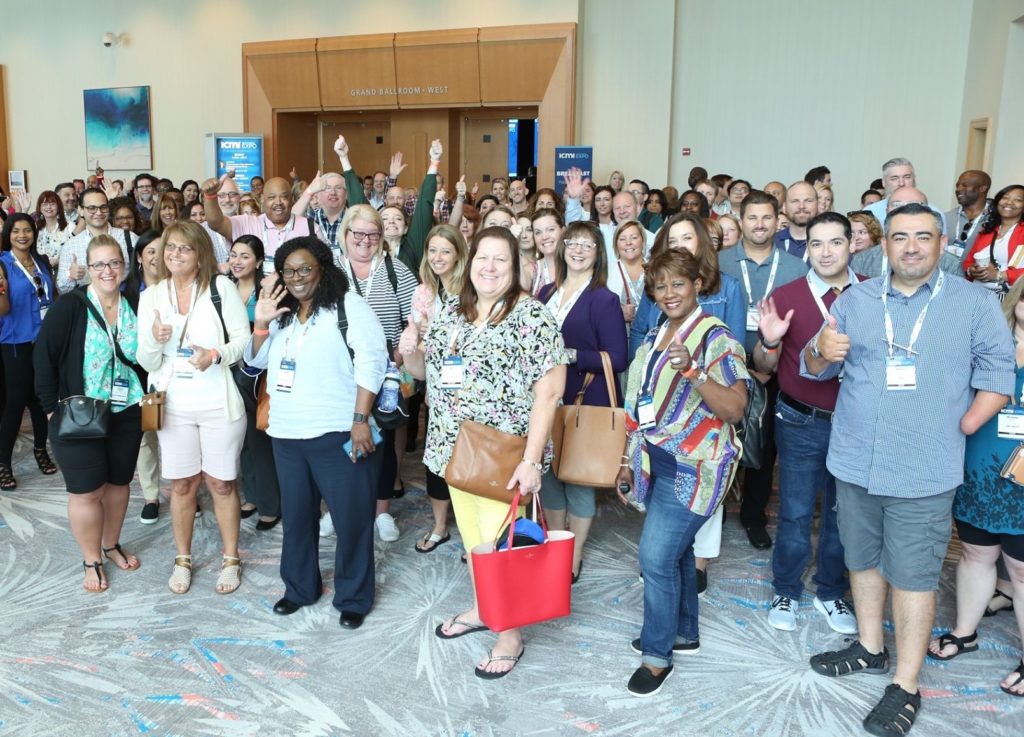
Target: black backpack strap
<point>215,298</point>
<point>389,264</point>
<point>343,327</point>
<point>129,246</point>
<point>311,225</point>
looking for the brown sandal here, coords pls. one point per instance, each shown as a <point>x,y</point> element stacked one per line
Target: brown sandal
<point>128,558</point>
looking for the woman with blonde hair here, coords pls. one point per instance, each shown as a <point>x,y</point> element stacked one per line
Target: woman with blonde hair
<point>193,326</point>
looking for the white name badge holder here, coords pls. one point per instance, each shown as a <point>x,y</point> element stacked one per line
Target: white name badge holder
<point>753,313</point>
<point>453,369</point>
<point>1010,423</point>
<point>286,371</point>
<point>119,392</point>
<point>901,371</point>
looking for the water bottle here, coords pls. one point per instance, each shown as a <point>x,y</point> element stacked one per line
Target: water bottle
<point>387,401</point>
<point>631,498</point>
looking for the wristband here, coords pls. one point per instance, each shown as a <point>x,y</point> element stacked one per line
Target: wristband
<point>261,332</point>
<point>691,372</point>
<point>209,196</point>
<point>537,466</point>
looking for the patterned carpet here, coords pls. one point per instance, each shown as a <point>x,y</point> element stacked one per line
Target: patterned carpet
<point>139,660</point>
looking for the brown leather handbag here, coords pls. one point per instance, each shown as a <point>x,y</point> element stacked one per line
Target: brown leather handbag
<point>483,460</point>
<point>153,410</point>
<point>262,403</point>
<point>589,441</point>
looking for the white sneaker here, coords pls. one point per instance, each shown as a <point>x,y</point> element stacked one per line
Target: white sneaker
<point>326,525</point>
<point>838,614</point>
<point>782,615</point>
<point>386,527</point>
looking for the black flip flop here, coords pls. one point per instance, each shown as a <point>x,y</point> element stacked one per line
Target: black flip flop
<point>429,538</point>
<point>470,629</point>
<point>1020,677</point>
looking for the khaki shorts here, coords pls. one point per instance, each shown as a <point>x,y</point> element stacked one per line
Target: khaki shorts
<point>905,539</point>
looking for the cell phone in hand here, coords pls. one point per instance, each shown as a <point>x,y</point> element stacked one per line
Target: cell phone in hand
<point>374,434</point>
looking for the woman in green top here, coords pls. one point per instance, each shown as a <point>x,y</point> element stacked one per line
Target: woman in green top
<point>87,345</point>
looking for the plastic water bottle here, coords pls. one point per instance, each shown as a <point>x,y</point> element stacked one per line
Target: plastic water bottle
<point>631,498</point>
<point>388,399</point>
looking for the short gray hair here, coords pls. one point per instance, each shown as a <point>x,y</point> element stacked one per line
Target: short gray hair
<point>898,161</point>
<point>913,208</point>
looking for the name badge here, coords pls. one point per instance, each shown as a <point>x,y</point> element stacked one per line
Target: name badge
<point>119,392</point>
<point>268,266</point>
<point>645,413</point>
<point>753,319</point>
<point>452,372</point>
<point>286,376</point>
<point>900,374</point>
<point>1010,423</point>
<point>957,249</point>
<point>183,369</point>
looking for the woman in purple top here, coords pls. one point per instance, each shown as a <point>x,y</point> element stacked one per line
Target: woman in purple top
<point>589,316</point>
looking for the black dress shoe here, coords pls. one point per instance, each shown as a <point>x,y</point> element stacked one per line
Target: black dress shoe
<point>351,620</point>
<point>264,525</point>
<point>284,607</point>
<point>758,537</point>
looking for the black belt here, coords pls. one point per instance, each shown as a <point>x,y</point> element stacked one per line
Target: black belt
<point>805,409</point>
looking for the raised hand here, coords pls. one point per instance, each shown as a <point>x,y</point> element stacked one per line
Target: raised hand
<point>341,147</point>
<point>397,167</point>
<point>773,326</point>
<point>293,173</point>
<point>436,149</point>
<point>317,185</point>
<point>212,185</point>
<point>573,183</point>
<point>161,331</point>
<point>76,271</point>
<point>460,187</point>
<point>832,344</point>
<point>410,338</point>
<point>476,189</point>
<point>268,306</point>
<point>23,199</point>
<point>679,356</point>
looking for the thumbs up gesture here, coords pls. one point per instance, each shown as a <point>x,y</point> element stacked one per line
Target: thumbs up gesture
<point>76,271</point>
<point>161,332</point>
<point>410,338</point>
<point>832,344</point>
<point>679,357</point>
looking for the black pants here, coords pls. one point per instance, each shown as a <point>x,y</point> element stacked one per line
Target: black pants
<point>259,474</point>
<point>19,380</point>
<point>757,483</point>
<point>388,466</point>
<point>309,470</point>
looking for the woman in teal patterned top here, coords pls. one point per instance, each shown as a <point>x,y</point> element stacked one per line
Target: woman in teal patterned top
<point>87,345</point>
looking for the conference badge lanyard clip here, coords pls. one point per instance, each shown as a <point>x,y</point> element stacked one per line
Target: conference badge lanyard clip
<point>286,371</point>
<point>453,370</point>
<point>753,313</point>
<point>901,371</point>
<point>1011,427</point>
<point>118,386</point>
<point>183,368</point>
<point>645,413</point>
<point>39,283</point>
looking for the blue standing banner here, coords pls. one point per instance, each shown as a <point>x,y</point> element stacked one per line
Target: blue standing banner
<point>569,157</point>
<point>242,152</point>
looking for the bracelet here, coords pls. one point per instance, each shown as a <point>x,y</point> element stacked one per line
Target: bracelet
<point>772,347</point>
<point>261,332</point>
<point>691,372</point>
<point>209,196</point>
<point>537,466</point>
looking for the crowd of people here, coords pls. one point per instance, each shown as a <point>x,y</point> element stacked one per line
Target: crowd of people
<point>291,335</point>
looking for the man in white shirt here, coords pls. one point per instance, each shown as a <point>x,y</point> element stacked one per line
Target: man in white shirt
<point>896,173</point>
<point>95,212</point>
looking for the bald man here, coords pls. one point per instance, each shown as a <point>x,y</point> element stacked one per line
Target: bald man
<point>873,262</point>
<point>778,191</point>
<point>276,225</point>
<point>963,222</point>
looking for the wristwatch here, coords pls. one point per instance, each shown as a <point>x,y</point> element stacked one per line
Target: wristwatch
<point>814,347</point>
<point>358,417</point>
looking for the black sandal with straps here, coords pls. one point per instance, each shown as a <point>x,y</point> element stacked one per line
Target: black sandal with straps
<point>853,659</point>
<point>44,462</point>
<point>7,481</point>
<point>895,713</point>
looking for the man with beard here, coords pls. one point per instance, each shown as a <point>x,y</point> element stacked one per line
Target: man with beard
<point>801,207</point>
<point>517,194</point>
<point>94,211</point>
<point>963,222</point>
<point>760,267</point>
<point>276,225</point>
<point>69,199</point>
<point>926,360</point>
<point>143,189</point>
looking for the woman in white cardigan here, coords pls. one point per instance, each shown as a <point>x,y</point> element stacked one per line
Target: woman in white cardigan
<point>188,350</point>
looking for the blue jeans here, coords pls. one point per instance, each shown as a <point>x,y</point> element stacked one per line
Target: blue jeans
<point>802,442</point>
<point>670,578</point>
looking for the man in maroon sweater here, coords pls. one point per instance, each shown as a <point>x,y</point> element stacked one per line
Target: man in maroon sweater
<point>803,423</point>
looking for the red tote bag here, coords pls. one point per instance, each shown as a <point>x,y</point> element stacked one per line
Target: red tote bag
<point>516,587</point>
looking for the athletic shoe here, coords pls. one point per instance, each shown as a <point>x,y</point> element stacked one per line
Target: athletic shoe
<point>386,527</point>
<point>782,615</point>
<point>150,512</point>
<point>326,525</point>
<point>838,614</point>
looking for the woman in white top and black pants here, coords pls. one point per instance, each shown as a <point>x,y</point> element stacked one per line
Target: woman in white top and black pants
<point>182,345</point>
<point>323,372</point>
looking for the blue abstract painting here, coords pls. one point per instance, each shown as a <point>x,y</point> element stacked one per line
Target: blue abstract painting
<point>117,128</point>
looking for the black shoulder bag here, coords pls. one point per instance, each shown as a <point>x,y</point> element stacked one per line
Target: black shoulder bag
<point>246,377</point>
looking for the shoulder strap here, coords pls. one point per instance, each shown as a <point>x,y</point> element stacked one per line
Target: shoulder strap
<point>128,245</point>
<point>343,327</point>
<point>103,324</point>
<point>215,298</point>
<point>389,264</point>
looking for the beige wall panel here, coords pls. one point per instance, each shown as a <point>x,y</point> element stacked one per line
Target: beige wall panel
<point>437,68</point>
<point>357,72</point>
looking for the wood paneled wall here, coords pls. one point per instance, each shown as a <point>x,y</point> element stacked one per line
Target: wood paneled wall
<point>433,71</point>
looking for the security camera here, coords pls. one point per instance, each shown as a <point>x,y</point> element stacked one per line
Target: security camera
<point>108,39</point>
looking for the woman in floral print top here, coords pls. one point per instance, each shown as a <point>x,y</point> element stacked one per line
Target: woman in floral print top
<point>512,377</point>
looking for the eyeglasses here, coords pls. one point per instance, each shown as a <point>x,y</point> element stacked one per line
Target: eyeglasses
<point>358,235</point>
<point>228,195</point>
<point>93,209</point>
<point>339,189</point>
<point>175,248</point>
<point>99,267</point>
<point>585,246</point>
<point>289,273</point>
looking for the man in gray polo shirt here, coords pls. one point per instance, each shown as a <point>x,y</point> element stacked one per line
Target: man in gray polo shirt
<point>926,359</point>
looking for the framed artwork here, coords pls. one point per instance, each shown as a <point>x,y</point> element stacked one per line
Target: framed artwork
<point>117,129</point>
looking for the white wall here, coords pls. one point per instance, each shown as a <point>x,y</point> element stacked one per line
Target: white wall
<point>624,86</point>
<point>1008,150</point>
<point>768,90</point>
<point>189,52</point>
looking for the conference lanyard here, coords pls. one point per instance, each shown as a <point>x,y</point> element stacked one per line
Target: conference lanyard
<point>630,289</point>
<point>283,232</point>
<point>817,298</point>
<point>648,378</point>
<point>478,330</point>
<point>562,309</point>
<point>369,280</point>
<point>890,333</point>
<point>771,278</point>
<point>301,339</point>
<point>32,281</point>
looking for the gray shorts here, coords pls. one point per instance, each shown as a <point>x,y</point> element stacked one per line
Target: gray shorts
<point>905,539</point>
